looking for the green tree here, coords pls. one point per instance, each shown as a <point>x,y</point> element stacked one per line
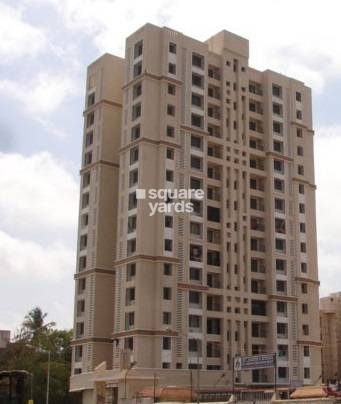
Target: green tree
<point>29,352</point>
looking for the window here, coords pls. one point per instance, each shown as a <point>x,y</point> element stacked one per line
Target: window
<point>279,185</point>
<point>167,293</point>
<point>280,225</point>
<point>193,345</point>
<point>197,80</point>
<point>299,132</point>
<point>170,109</point>
<point>138,49</point>
<point>305,329</point>
<point>276,91</point>
<point>89,139</point>
<point>281,308</point>
<point>278,146</point>
<point>197,100</point>
<point>279,166</point>
<point>166,365</point>
<point>170,131</point>
<point>198,60</point>
<point>130,296</point>
<point>169,221</point>
<point>196,229</point>
<point>83,241</point>
<point>213,326</point>
<point>277,127</point>
<point>306,372</point>
<point>171,68</point>
<point>277,108</point>
<point>86,179</point>
<point>88,158</point>
<point>280,205</point>
<point>166,343</point>
<point>301,188</point>
<point>131,271</point>
<point>172,47</point>
<point>258,307</point>
<point>170,175</point>
<point>171,89</point>
<point>304,308</point>
<point>166,318</point>
<point>168,244</point>
<point>131,224</point>
<point>132,201</point>
<point>298,96</point>
<point>197,120</point>
<point>195,253</point>
<point>82,263</point>
<point>136,111</point>
<point>280,245</point>
<point>170,153</point>
<point>280,265</point>
<point>194,321</point>
<point>129,320</point>
<point>137,90</point>
<point>299,150</point>
<point>167,269</point>
<point>84,220</point>
<point>300,170</point>
<point>134,155</point>
<point>81,285</point>
<point>306,350</point>
<point>131,246</point>
<point>196,142</point>
<point>304,267</point>
<point>194,274</point>
<point>298,114</point>
<point>135,132</point>
<point>133,177</point>
<point>90,119</point>
<point>194,297</point>
<point>129,343</point>
<point>282,329</point>
<point>80,329</point>
<point>213,258</point>
<point>213,214</point>
<point>91,99</point>
<point>281,286</point>
<point>302,228</point>
<point>85,200</point>
<point>301,208</point>
<point>282,373</point>
<point>304,288</point>
<point>196,163</point>
<point>137,70</point>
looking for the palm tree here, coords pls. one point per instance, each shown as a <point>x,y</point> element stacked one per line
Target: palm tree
<point>34,326</point>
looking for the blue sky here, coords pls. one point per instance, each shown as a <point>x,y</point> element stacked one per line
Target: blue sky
<point>44,50</point>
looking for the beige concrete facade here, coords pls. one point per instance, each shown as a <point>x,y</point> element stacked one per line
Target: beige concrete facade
<point>238,276</point>
<point>330,314</point>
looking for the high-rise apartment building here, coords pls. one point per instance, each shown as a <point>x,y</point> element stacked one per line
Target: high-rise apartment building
<point>160,295</point>
<point>330,313</point>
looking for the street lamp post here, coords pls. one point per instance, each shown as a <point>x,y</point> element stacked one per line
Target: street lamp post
<point>48,377</point>
<point>125,379</point>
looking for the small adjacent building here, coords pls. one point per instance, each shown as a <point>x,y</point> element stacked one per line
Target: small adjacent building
<point>330,314</point>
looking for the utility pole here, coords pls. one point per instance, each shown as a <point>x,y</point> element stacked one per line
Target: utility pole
<point>198,373</point>
<point>48,377</point>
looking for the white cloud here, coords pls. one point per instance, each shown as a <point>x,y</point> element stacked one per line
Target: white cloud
<point>280,39</point>
<point>27,259</point>
<point>41,95</point>
<point>39,197</point>
<point>38,224</point>
<point>18,38</point>
<point>327,157</point>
